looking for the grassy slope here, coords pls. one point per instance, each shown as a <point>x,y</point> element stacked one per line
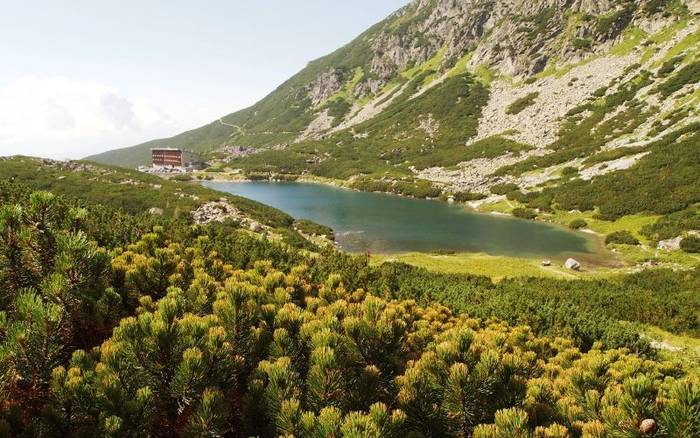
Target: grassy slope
<point>495,267</point>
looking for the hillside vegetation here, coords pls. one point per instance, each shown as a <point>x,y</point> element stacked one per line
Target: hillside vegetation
<point>122,324</point>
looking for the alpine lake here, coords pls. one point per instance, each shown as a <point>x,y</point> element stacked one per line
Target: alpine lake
<point>387,224</point>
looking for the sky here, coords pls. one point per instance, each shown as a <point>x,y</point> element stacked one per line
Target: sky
<point>84,76</point>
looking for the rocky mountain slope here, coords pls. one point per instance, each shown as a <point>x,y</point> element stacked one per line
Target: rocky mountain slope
<point>466,95</point>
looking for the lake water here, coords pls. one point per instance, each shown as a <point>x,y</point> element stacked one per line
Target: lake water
<point>382,223</point>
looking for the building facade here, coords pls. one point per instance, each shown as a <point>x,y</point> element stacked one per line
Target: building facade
<point>175,159</point>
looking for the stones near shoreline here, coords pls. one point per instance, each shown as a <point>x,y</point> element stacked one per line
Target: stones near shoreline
<point>572,265</point>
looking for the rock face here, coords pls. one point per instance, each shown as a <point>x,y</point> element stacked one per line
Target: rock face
<point>572,265</point>
<point>518,37</point>
<point>325,86</point>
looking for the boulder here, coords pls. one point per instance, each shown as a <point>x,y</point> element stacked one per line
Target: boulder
<point>256,227</point>
<point>573,265</point>
<point>671,244</point>
<point>546,263</point>
<point>155,211</point>
<point>648,426</point>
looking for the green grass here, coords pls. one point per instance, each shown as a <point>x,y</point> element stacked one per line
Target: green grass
<point>503,207</point>
<point>632,223</point>
<point>689,42</point>
<point>688,347</point>
<point>495,267</point>
<point>633,37</point>
<point>430,65</point>
<point>485,74</point>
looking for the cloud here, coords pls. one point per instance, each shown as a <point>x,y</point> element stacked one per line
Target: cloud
<point>62,117</point>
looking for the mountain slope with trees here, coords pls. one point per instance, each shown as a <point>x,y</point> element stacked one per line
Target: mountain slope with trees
<point>121,324</point>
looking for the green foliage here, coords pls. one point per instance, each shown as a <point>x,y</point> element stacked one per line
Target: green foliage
<point>183,178</point>
<point>521,104</point>
<point>689,74</point>
<point>128,190</point>
<point>691,244</point>
<point>577,224</point>
<point>669,66</point>
<point>622,238</point>
<point>504,188</point>
<point>338,109</point>
<point>468,196</point>
<point>525,213</point>
<point>673,225</point>
<point>614,22</point>
<point>665,181</point>
<point>416,188</point>
<point>216,332</point>
<point>582,43</point>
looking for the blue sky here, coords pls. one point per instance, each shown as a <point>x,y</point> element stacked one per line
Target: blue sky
<point>80,77</point>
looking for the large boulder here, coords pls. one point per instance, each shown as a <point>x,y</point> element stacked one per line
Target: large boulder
<point>573,265</point>
<point>671,244</point>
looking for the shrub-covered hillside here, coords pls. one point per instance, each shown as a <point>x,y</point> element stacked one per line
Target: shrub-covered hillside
<point>128,190</point>
<point>111,325</point>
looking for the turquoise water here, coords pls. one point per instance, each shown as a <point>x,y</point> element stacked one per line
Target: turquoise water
<point>382,223</point>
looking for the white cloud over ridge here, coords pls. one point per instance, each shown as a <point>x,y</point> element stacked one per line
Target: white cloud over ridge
<point>74,117</point>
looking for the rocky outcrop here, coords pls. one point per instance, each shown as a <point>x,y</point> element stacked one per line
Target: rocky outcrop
<point>326,85</point>
<point>216,211</point>
<point>517,37</point>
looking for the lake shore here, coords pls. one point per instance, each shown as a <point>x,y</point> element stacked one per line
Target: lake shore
<point>616,257</point>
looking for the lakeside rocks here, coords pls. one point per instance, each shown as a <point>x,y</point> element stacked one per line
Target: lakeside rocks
<point>572,265</point>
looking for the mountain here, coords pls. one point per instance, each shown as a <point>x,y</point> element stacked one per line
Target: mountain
<point>470,95</point>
